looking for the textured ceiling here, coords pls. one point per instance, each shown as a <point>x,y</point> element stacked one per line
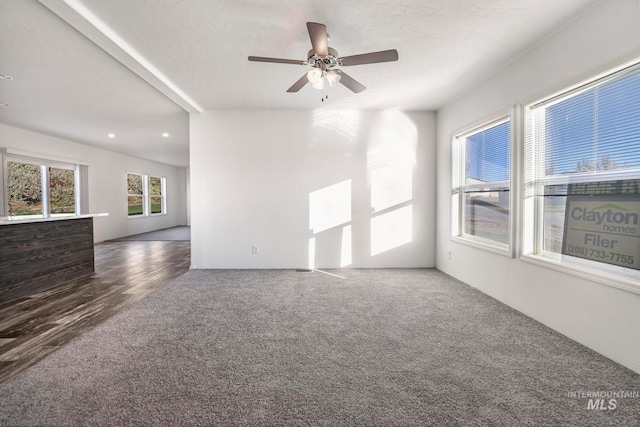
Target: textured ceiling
<point>66,84</point>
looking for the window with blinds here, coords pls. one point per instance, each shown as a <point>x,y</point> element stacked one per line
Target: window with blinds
<point>482,180</point>
<point>590,133</point>
<point>586,138</point>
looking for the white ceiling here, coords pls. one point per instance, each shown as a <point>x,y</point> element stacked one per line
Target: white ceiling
<point>81,82</point>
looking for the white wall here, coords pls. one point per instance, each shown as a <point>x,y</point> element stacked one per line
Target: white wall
<point>282,179</point>
<point>107,181</point>
<point>601,317</point>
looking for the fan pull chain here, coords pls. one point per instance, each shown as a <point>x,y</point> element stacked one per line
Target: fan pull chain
<point>324,89</point>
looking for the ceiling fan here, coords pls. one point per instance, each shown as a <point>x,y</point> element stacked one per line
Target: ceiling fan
<point>324,60</point>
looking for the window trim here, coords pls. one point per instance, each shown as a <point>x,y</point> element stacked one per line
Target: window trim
<point>80,196</point>
<point>146,195</point>
<point>143,195</point>
<point>163,197</point>
<point>532,234</point>
<point>456,218</point>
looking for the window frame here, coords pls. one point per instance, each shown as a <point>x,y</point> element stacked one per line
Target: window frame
<point>45,164</point>
<point>533,235</point>
<point>162,195</point>
<point>146,195</point>
<point>142,195</point>
<point>458,186</point>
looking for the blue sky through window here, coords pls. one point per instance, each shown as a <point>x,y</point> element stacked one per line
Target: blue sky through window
<point>487,156</point>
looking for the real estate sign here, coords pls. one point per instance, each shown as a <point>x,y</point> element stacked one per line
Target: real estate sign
<point>604,226</point>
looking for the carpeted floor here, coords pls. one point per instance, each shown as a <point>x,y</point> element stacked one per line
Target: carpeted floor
<point>173,233</point>
<point>279,347</point>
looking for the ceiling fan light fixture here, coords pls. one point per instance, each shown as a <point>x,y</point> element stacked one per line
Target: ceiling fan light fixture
<point>314,76</point>
<point>333,78</point>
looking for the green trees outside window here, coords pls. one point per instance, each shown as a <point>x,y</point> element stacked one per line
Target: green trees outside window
<point>135,194</point>
<point>145,195</point>
<point>155,194</point>
<point>61,191</point>
<point>30,185</point>
<point>24,188</point>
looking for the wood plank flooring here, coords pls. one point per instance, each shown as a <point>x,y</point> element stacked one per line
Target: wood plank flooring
<point>125,272</point>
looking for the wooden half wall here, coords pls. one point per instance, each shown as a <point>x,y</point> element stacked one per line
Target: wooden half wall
<point>35,256</point>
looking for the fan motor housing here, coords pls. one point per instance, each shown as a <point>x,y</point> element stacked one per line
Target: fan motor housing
<point>323,62</point>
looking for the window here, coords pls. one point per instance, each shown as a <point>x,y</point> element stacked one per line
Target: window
<point>582,177</point>
<point>145,195</point>
<point>481,184</point>
<point>135,194</point>
<point>24,188</point>
<point>40,187</point>
<point>61,191</point>
<point>156,194</point>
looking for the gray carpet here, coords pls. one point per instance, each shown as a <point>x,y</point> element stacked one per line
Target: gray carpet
<point>379,347</point>
<point>173,233</point>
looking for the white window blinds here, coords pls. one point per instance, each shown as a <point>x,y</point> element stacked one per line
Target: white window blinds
<point>589,134</point>
<point>487,155</point>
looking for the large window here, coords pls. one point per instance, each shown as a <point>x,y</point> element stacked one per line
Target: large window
<point>482,184</point>
<point>145,195</point>
<point>582,176</point>
<point>40,188</point>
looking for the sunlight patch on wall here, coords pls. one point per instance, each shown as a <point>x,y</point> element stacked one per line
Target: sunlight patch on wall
<point>391,158</point>
<point>391,230</point>
<point>343,122</point>
<point>393,142</point>
<point>391,186</point>
<point>330,206</point>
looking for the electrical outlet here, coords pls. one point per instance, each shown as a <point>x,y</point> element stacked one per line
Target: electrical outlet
<point>255,249</point>
<point>449,253</point>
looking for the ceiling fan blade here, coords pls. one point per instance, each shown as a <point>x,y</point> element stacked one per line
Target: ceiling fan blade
<point>350,83</point>
<point>318,36</point>
<point>277,60</point>
<point>299,84</point>
<point>370,58</point>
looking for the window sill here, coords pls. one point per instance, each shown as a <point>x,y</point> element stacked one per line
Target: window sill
<point>145,216</point>
<point>585,272</point>
<point>484,245</point>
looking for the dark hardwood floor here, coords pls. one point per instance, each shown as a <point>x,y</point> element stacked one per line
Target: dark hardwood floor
<point>125,272</point>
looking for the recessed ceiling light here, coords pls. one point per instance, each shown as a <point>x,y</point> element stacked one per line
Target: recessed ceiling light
<point>5,77</point>
<point>111,135</point>
<point>166,135</point>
